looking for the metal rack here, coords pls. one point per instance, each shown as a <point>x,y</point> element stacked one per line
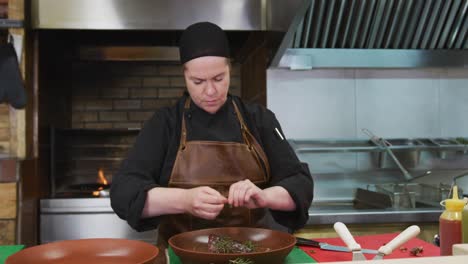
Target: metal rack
<point>359,145</point>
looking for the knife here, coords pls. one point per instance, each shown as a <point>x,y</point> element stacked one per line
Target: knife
<point>325,246</point>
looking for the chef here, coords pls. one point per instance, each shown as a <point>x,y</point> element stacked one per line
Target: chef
<point>210,160</point>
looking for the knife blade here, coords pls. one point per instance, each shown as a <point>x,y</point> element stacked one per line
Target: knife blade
<point>325,246</point>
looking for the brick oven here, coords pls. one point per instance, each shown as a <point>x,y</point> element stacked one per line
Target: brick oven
<point>91,110</point>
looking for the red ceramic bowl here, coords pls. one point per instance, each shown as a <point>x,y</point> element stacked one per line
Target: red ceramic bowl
<point>99,250</point>
<point>192,247</point>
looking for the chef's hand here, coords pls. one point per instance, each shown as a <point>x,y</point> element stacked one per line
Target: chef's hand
<point>246,193</point>
<point>204,202</point>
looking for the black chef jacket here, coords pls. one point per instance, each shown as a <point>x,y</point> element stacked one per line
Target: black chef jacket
<point>150,161</point>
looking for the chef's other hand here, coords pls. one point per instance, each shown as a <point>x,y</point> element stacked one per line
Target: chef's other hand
<point>204,202</point>
<point>246,193</point>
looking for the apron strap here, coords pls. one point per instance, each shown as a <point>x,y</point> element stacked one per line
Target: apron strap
<point>183,136</point>
<point>249,139</point>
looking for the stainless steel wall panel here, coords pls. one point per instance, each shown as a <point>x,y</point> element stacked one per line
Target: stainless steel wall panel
<point>313,104</point>
<point>453,103</point>
<point>397,103</point>
<point>323,104</point>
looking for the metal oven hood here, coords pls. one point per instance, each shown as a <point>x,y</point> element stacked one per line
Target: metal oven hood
<point>376,34</point>
<point>164,16</point>
<point>144,14</point>
<point>161,14</point>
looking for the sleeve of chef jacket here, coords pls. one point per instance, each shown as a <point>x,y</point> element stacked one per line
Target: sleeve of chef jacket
<point>286,171</point>
<point>138,174</point>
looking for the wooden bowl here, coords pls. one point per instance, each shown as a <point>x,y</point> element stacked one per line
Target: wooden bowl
<point>192,247</point>
<point>99,250</point>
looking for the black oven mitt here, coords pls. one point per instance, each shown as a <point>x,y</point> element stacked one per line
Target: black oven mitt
<point>11,84</point>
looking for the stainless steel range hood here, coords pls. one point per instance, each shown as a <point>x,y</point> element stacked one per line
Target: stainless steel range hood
<point>376,34</point>
<point>157,15</point>
<point>145,14</point>
<point>161,14</point>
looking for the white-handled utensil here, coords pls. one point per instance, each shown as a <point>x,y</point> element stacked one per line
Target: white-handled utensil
<point>404,236</point>
<point>348,239</point>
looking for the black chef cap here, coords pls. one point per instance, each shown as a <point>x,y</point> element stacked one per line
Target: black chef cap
<point>203,39</point>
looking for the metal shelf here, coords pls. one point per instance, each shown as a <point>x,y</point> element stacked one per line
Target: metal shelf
<point>356,145</point>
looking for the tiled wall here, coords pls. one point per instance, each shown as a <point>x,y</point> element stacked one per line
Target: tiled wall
<point>391,103</point>
<point>126,94</point>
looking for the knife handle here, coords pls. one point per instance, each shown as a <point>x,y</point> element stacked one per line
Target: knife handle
<point>404,236</point>
<point>346,236</point>
<point>307,242</point>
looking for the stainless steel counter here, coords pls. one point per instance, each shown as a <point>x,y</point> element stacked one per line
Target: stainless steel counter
<point>333,199</point>
<point>330,215</point>
<point>64,219</point>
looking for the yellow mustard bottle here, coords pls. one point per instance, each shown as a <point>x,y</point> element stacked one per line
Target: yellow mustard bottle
<point>450,223</point>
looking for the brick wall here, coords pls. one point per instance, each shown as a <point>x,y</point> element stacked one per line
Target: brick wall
<point>125,94</point>
<point>4,129</point>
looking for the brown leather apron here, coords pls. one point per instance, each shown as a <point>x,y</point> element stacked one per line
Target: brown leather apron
<point>218,165</point>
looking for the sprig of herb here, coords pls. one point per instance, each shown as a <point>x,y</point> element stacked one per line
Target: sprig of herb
<point>227,245</point>
<point>241,261</point>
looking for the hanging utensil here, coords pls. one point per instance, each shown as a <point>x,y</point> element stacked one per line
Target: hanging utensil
<point>404,236</point>
<point>11,84</point>
<point>384,144</point>
<point>346,236</point>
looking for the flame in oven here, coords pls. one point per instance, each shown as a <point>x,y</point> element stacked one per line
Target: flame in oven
<point>101,179</point>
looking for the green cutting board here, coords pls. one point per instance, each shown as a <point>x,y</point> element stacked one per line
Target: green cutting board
<point>295,256</point>
<point>6,251</point>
